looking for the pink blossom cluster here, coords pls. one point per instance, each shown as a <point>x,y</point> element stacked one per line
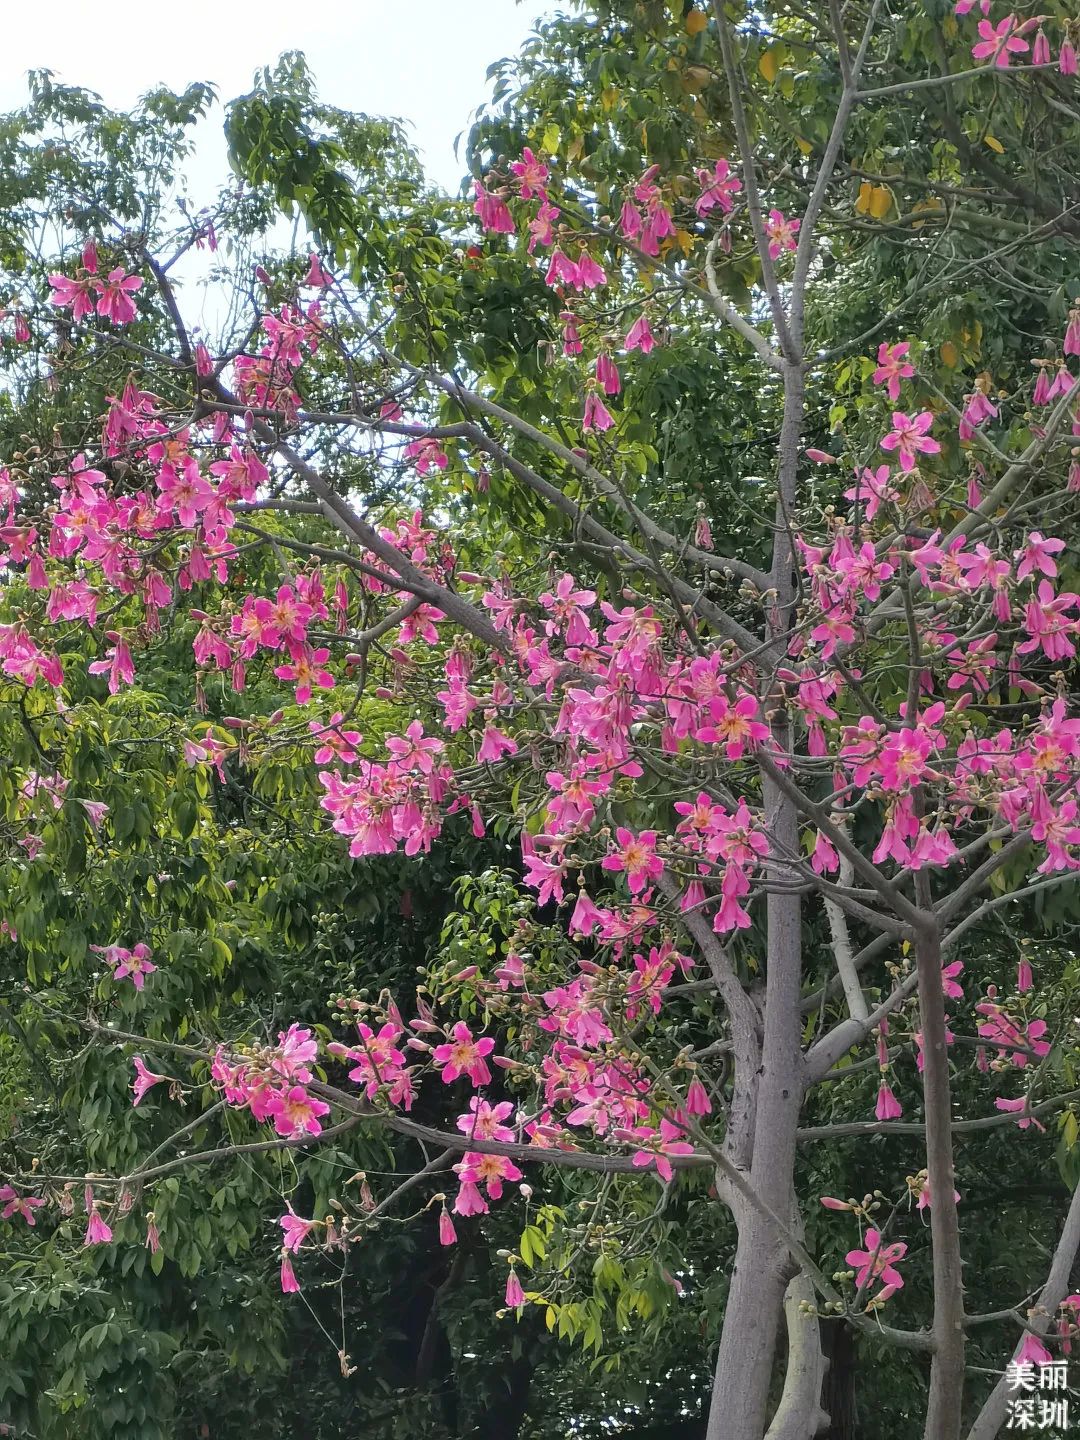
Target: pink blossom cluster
<point>273,1082</point>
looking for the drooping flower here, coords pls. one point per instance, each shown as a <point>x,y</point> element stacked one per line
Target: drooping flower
<point>97,1232</point>
<point>296,1230</point>
<point>515,1295</point>
<point>597,416</point>
<point>1033,1352</point>
<point>289,1283</point>
<point>144,1079</point>
<point>888,1107</point>
<point>640,336</point>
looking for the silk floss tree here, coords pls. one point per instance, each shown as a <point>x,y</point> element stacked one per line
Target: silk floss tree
<point>699,755</point>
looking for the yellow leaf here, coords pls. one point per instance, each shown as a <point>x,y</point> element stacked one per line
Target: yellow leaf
<point>932,204</point>
<point>684,240</point>
<point>804,145</point>
<point>862,204</point>
<point>995,145</point>
<point>697,77</point>
<point>950,355</point>
<point>769,66</point>
<point>609,98</point>
<point>1071,1130</point>
<point>880,202</point>
<point>576,146</point>
<point>696,21</point>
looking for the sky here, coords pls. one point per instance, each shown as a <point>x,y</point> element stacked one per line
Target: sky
<point>421,60</point>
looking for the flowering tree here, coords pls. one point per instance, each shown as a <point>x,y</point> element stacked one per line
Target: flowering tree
<point>851,734</point>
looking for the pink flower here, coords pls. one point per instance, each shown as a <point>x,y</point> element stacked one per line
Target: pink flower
<point>636,857</point>
<point>949,983</point>
<point>289,1283</point>
<point>831,1203</point>
<point>117,664</point>
<point>532,174</point>
<point>597,416</point>
<point>1019,1107</point>
<point>469,1199</point>
<point>571,339</point>
<point>780,233</point>
<point>74,295</point>
<point>515,1296</point>
<point>462,1055</point>
<point>16,1204</point>
<point>872,489</point>
<point>607,374</point>
<point>1033,1352</point>
<point>998,42</point>
<point>734,725</point>
<point>697,1098</point>
<point>295,1112</point>
<point>447,1233</point>
<point>144,1079</point>
<point>296,1231</point>
<point>485,1121</point>
<point>590,272</point>
<point>317,278</point>
<point>640,336</point>
<point>414,750</point>
<point>1036,556</point>
<point>131,964</point>
<point>717,189</point>
<point>114,299</point>
<point>892,367</point>
<point>909,437</point>
<point>925,1202</point>
<point>562,271</point>
<point>495,745</point>
<point>493,211</point>
<point>185,494</point>
<point>97,1232</point>
<point>877,1261</point>
<point>888,1107</point>
<point>1067,57</point>
<point>426,452</point>
<point>308,668</point>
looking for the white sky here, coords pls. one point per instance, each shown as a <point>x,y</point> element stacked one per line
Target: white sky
<point>421,60</point>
